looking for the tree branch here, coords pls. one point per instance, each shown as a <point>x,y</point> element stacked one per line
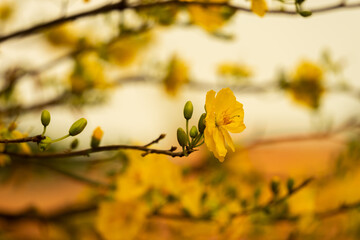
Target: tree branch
<point>120,6</point>
<point>78,178</point>
<point>11,111</point>
<point>36,139</point>
<point>86,152</point>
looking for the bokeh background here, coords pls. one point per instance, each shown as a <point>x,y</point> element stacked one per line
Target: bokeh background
<point>136,112</point>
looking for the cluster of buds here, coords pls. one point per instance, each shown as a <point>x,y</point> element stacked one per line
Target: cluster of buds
<point>188,140</point>
<point>75,129</point>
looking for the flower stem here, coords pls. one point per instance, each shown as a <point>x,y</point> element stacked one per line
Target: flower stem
<point>43,133</point>
<point>187,131</point>
<point>59,139</point>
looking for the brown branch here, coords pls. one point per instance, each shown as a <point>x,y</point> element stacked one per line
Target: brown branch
<point>87,152</point>
<point>162,136</point>
<point>36,139</point>
<point>120,6</point>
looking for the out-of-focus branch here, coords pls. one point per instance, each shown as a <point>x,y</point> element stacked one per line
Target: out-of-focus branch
<point>349,125</point>
<point>271,203</point>
<point>336,211</point>
<point>15,110</point>
<point>33,214</point>
<point>275,201</point>
<point>76,177</point>
<point>120,6</point>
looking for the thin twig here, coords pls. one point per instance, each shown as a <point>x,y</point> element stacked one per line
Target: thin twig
<point>120,6</point>
<point>36,139</point>
<point>162,136</point>
<point>87,152</point>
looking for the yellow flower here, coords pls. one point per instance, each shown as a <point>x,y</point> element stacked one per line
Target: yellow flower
<point>144,173</point>
<point>121,220</point>
<point>210,18</point>
<point>62,35</point>
<point>88,73</point>
<point>176,76</point>
<point>259,7</point>
<point>239,71</point>
<point>125,50</point>
<point>306,86</point>
<point>223,114</point>
<point>6,11</point>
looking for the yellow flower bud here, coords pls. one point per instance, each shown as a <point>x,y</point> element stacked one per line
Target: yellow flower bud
<point>96,137</point>
<point>77,127</point>
<point>201,124</point>
<point>193,132</point>
<point>45,118</point>
<point>188,110</point>
<point>182,137</point>
<point>45,144</point>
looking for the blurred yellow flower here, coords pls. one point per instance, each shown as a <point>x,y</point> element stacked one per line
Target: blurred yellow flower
<point>190,197</point>
<point>177,75</point>
<point>234,70</point>
<point>210,18</point>
<point>306,86</point>
<point>88,73</point>
<point>121,220</point>
<point>62,35</point>
<point>125,50</point>
<point>259,7</point>
<point>144,173</point>
<point>4,159</point>
<point>223,114</point>
<point>6,11</point>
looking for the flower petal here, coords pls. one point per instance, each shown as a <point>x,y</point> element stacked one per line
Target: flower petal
<point>228,139</point>
<point>225,100</point>
<point>210,101</point>
<point>219,142</point>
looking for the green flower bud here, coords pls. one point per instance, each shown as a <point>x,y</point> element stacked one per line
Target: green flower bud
<point>188,110</point>
<point>290,185</point>
<point>275,186</point>
<point>74,143</point>
<point>182,137</point>
<point>45,144</point>
<point>77,127</point>
<point>201,124</point>
<point>193,132</point>
<point>45,118</point>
